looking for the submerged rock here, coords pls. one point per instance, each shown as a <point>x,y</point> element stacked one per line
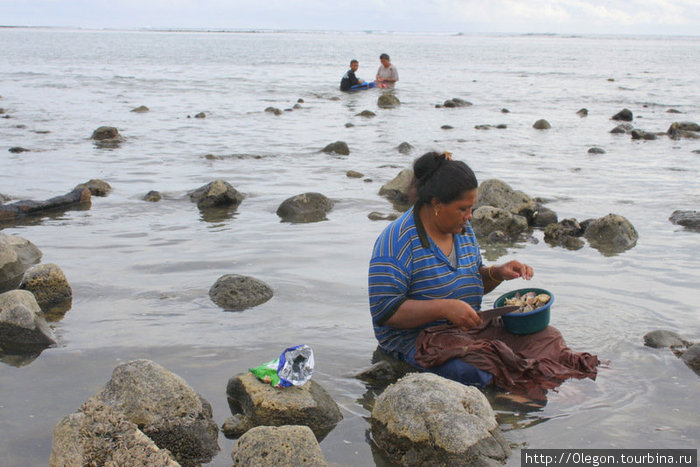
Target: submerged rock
<point>235,292</point>
<point>284,445</point>
<point>22,325</point>
<point>624,115</point>
<point>354,174</point>
<point>691,357</point>
<point>582,112</point>
<point>218,193</point>
<point>153,196</point>
<point>366,114</point>
<point>488,219</point>
<point>611,234</point>
<point>596,150</point>
<point>405,148</point>
<point>99,435</point>
<point>425,419</point>
<point>688,219</point>
<point>306,207</point>
<point>273,110</point>
<point>388,101</point>
<point>339,147</point>
<point>200,115</point>
<point>50,288</point>
<point>565,233</point>
<point>140,109</point>
<point>642,134</point>
<point>399,188</point>
<point>663,338</point>
<point>18,149</point>
<point>262,405</point>
<point>76,199</point>
<point>679,130</point>
<point>541,124</point>
<point>623,128</point>
<point>165,408</point>
<point>96,186</point>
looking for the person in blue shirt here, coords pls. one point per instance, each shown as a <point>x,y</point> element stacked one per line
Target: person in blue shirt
<point>349,79</point>
<point>426,268</point>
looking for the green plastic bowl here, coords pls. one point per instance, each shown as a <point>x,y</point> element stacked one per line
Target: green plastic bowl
<point>525,323</point>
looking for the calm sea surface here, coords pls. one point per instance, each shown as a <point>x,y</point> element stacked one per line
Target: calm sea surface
<point>141,272</point>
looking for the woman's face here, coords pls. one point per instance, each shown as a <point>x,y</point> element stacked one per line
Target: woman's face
<point>452,217</point>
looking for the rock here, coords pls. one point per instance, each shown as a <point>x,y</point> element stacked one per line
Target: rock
<point>449,103</point>
<point>623,128</point>
<point>399,188</point>
<point>679,130</point>
<point>688,219</point>
<point>425,419</point>
<point>388,101</point>
<point>541,124</point>
<point>624,115</point>
<point>611,234</point>
<point>97,187</point>
<point>235,426</point>
<point>662,338</point>
<point>405,148</point>
<point>140,109</point>
<point>673,111</point>
<point>50,288</point>
<point>105,132</point>
<point>380,373</point>
<point>218,193</point>
<point>152,196</point>
<point>99,435</point>
<point>461,102</point>
<point>349,125</point>
<point>165,408</point>
<point>505,111</point>
<point>296,106</point>
<point>22,326</point>
<point>543,216</point>
<point>596,150</point>
<point>447,127</point>
<point>17,149</point>
<point>300,101</point>
<point>201,115</point>
<point>487,219</point>
<point>306,207</point>
<point>75,199</point>
<point>691,357</point>
<point>263,405</point>
<point>235,292</point>
<point>582,113</point>
<point>285,445</point>
<point>565,233</point>
<point>366,114</point>
<point>16,256</point>
<point>378,216</point>
<point>339,147</point>
<point>273,110</point>
<point>499,194</point>
<point>641,134</point>
<point>354,174</point>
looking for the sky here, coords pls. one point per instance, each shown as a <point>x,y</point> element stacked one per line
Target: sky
<point>647,17</point>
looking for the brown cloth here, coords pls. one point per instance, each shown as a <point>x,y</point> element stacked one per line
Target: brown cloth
<point>522,364</point>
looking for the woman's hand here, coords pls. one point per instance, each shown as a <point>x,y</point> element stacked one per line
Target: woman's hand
<point>513,270</point>
<point>461,314</point>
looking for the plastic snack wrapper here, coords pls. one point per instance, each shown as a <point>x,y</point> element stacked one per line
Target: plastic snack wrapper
<point>294,367</point>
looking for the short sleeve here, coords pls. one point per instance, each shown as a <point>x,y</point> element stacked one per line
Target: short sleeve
<point>388,288</point>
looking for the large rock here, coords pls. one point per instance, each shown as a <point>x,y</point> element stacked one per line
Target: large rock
<point>306,207</point>
<point>541,124</point>
<point>543,216</point>
<point>339,147</point>
<point>388,101</point>
<point>425,419</point>
<point>499,194</point>
<point>663,338</point>
<point>679,130</point>
<point>399,188</point>
<point>611,234</point>
<point>16,256</point>
<point>22,326</point>
<point>688,219</point>
<point>99,435</point>
<point>564,233</point>
<point>50,288</point>
<point>76,199</point>
<point>259,404</point>
<point>107,137</point>
<point>235,292</point>
<point>691,357</point>
<point>165,408</point>
<point>218,193</point>
<point>624,115</point>
<point>488,219</point>
<point>285,445</point>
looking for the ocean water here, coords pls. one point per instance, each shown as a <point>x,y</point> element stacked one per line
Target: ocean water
<point>141,272</point>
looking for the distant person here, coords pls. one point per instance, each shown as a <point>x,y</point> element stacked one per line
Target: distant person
<point>387,74</point>
<point>349,79</point>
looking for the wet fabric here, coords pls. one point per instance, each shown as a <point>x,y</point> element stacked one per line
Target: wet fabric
<point>522,364</point>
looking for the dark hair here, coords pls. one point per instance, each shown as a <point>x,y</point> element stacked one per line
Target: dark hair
<point>353,61</point>
<point>384,56</point>
<point>438,176</point>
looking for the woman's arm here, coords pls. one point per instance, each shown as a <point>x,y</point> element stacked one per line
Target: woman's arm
<point>416,313</point>
<point>493,275</point>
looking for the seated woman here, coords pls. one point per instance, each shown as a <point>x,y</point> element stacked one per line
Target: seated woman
<point>427,279</point>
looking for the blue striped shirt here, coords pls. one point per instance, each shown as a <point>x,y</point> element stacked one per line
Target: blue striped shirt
<point>407,264</point>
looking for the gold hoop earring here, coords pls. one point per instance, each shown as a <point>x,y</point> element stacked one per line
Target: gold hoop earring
<point>436,213</point>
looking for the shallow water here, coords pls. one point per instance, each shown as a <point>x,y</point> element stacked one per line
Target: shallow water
<point>141,272</point>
